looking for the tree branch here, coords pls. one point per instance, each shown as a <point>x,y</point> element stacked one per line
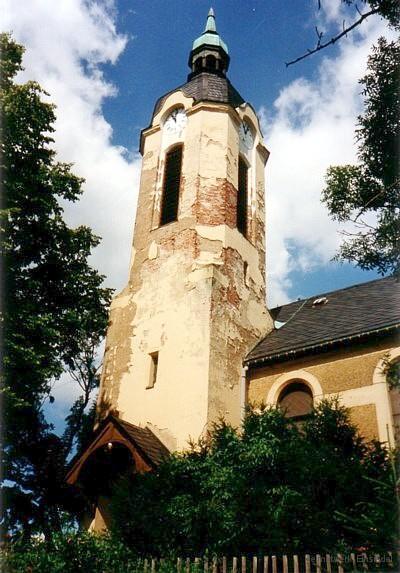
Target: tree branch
<point>333,40</point>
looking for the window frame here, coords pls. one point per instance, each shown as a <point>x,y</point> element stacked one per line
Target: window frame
<point>153,371</point>
<point>291,387</point>
<point>164,220</point>
<point>242,223</point>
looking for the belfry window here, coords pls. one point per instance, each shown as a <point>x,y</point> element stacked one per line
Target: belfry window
<point>241,213</point>
<point>296,401</point>
<point>211,62</point>
<point>172,180</point>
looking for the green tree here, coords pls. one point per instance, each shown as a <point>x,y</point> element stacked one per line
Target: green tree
<point>54,305</point>
<point>273,485</point>
<point>367,194</point>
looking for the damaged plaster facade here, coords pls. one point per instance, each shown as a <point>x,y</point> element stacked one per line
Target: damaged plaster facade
<point>187,339</point>
<point>196,290</point>
<point>190,339</point>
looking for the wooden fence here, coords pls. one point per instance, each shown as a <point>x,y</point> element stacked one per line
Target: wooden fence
<point>308,563</point>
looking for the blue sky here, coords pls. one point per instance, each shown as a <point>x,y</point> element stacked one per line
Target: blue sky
<point>260,35</point>
<point>105,62</point>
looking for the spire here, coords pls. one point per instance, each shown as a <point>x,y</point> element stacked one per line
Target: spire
<point>209,51</point>
<point>210,24</point>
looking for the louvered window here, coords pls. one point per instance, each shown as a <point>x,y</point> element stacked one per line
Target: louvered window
<point>241,221</point>
<point>172,179</point>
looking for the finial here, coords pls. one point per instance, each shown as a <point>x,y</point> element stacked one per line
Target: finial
<point>210,24</point>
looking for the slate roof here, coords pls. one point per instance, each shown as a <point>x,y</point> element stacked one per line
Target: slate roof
<point>143,439</point>
<point>206,87</point>
<point>354,313</point>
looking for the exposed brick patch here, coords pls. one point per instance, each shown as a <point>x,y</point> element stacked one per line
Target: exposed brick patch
<point>216,204</point>
<point>186,240</point>
<point>232,296</point>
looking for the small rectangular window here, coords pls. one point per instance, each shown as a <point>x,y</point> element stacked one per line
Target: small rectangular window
<point>171,185</point>
<point>241,212</point>
<point>153,370</point>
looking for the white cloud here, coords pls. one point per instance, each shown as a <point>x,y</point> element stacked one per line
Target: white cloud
<point>66,43</point>
<point>310,128</point>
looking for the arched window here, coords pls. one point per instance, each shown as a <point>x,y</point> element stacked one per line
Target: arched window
<point>296,400</point>
<point>211,62</point>
<point>171,185</point>
<point>241,213</point>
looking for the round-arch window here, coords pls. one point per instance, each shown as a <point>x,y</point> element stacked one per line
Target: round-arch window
<point>296,400</point>
<point>211,62</point>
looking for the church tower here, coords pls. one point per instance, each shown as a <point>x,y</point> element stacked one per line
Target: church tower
<point>195,303</point>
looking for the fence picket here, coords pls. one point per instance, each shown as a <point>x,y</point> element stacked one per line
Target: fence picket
<point>274,564</point>
<point>234,565</point>
<point>187,565</point>
<point>266,564</point>
<point>145,565</point>
<point>296,564</point>
<point>243,564</point>
<point>328,563</point>
<point>255,564</point>
<point>179,565</point>
<point>340,563</point>
<point>214,565</point>
<point>364,561</point>
<point>153,566</point>
<point>285,564</point>
<point>319,563</point>
<point>307,563</point>
<point>390,561</point>
<point>224,565</point>
<point>205,562</point>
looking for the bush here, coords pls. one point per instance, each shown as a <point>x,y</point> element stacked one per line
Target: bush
<point>274,485</point>
<point>70,553</point>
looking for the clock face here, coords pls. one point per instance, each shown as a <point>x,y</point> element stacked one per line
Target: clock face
<point>245,135</point>
<point>176,121</point>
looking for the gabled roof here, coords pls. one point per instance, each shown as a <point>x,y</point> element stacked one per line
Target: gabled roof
<point>145,440</point>
<point>358,312</point>
<point>144,446</point>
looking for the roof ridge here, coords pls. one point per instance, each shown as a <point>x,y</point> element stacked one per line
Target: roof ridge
<point>318,295</point>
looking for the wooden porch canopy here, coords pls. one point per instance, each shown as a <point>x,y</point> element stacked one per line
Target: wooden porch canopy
<point>146,450</point>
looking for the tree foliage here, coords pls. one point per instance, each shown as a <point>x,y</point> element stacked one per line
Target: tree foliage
<point>273,485</point>
<point>367,194</point>
<point>54,306</point>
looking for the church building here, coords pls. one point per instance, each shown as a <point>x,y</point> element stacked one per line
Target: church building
<point>190,338</point>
